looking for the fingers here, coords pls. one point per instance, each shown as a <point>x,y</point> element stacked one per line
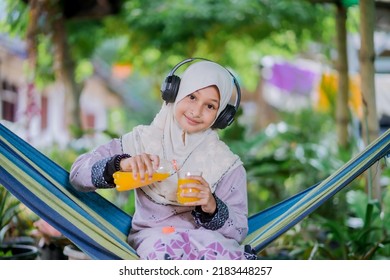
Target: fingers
<point>202,196</point>
<point>203,191</point>
<point>155,160</point>
<point>143,164</point>
<point>201,185</point>
<point>208,203</point>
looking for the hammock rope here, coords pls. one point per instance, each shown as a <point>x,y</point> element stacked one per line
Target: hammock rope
<point>100,228</point>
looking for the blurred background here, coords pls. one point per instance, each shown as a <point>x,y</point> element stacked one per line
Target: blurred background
<point>314,76</point>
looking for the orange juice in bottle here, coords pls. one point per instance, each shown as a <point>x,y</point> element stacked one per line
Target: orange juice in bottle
<point>125,181</point>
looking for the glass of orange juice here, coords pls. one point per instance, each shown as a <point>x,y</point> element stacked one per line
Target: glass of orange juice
<point>182,180</point>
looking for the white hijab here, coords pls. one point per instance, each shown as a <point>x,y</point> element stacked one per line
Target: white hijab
<point>202,151</point>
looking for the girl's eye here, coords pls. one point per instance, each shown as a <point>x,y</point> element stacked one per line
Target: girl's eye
<point>210,106</point>
<point>191,96</point>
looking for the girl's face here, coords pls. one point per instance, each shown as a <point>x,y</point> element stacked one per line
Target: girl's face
<point>198,110</point>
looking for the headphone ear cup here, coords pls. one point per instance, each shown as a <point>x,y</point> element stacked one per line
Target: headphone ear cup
<point>225,118</point>
<point>170,88</point>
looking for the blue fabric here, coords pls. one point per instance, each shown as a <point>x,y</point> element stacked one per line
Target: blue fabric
<point>107,210</point>
<point>55,219</point>
<point>264,227</point>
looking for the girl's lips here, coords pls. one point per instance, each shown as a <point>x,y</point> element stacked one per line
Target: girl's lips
<point>191,121</point>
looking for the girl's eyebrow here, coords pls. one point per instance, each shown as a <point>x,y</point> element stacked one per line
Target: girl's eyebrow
<point>211,100</point>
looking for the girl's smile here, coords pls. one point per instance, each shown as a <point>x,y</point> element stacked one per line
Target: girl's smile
<point>191,119</point>
<point>198,110</point>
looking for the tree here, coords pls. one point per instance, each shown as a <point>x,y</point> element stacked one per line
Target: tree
<point>234,33</point>
<point>342,108</point>
<point>50,19</point>
<point>187,27</point>
<point>367,72</point>
<point>64,67</point>
<point>342,111</point>
<point>160,33</point>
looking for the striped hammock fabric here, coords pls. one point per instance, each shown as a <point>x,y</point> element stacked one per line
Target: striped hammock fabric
<point>100,229</point>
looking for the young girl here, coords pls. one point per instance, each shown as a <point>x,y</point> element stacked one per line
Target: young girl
<point>209,228</point>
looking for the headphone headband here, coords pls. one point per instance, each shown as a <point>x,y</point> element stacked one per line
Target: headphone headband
<point>170,88</point>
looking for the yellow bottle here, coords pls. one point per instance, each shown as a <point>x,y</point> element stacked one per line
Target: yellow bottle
<point>125,181</point>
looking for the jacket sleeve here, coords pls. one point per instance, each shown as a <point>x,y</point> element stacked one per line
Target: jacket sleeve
<point>231,216</point>
<point>88,172</point>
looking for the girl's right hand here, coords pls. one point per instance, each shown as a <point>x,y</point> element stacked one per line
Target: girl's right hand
<point>143,164</point>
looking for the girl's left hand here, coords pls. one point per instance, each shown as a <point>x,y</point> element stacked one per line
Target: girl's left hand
<point>206,198</point>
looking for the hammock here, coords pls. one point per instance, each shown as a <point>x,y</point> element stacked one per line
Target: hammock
<point>100,229</point>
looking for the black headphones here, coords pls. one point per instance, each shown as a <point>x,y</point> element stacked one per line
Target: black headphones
<point>170,88</point>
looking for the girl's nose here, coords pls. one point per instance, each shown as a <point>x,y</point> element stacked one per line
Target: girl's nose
<point>198,113</point>
<point>196,110</point>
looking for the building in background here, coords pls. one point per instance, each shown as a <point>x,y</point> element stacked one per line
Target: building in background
<point>38,115</point>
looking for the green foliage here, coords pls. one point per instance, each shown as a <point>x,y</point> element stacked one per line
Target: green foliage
<point>126,201</point>
<point>63,156</point>
<point>84,36</point>
<point>286,157</point>
<point>152,37</point>
<point>256,18</point>
<point>363,234</point>
<point>234,33</point>
<point>113,50</point>
<point>9,209</point>
<point>6,253</point>
<point>44,71</point>
<point>84,70</point>
<point>292,155</point>
<point>15,19</point>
